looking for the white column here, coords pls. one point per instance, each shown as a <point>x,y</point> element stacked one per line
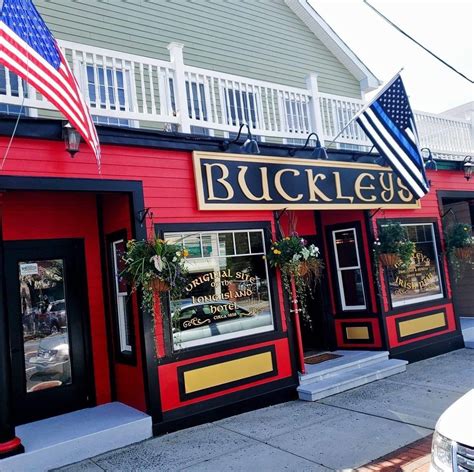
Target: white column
<point>315,108</point>
<point>176,57</point>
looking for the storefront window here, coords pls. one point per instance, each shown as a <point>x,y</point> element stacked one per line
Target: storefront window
<point>227,294</point>
<point>421,281</point>
<point>349,272</point>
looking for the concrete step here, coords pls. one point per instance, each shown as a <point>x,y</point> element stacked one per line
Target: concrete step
<point>348,361</point>
<point>348,379</point>
<point>76,436</point>
<point>467,326</point>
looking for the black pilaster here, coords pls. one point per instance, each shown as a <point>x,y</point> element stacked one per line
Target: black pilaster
<point>9,443</point>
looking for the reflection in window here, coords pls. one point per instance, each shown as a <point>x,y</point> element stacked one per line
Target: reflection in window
<point>45,324</point>
<point>421,280</point>
<point>227,293</point>
<point>122,312</point>
<point>349,274</point>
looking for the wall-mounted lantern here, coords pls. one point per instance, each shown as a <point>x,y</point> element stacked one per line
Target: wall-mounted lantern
<point>468,167</point>
<point>72,139</point>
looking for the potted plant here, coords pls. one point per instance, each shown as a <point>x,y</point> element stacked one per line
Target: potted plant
<point>393,247</point>
<point>155,266</point>
<point>295,258</point>
<point>459,241</point>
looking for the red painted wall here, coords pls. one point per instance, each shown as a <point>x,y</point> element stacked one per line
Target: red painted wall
<point>169,191</point>
<point>441,180</point>
<point>51,215</point>
<point>116,217</point>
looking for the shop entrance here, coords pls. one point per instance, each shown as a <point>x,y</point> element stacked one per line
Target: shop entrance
<point>314,329</point>
<point>47,308</point>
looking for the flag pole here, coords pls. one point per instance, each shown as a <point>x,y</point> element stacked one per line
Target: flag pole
<point>382,90</point>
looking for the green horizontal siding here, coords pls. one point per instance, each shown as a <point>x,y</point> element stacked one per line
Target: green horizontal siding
<point>261,39</point>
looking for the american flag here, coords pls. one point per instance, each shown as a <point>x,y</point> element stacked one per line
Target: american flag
<point>390,124</point>
<point>28,49</point>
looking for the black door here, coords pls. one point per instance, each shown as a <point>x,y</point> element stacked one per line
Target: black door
<point>47,309</point>
<point>313,328</point>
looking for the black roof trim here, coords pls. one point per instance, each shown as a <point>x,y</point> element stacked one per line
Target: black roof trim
<point>50,129</point>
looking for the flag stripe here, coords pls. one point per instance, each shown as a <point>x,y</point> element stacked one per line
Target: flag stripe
<point>377,109</point>
<point>404,170</point>
<point>29,49</point>
<point>389,123</point>
<point>28,55</point>
<point>28,62</point>
<point>394,145</point>
<point>42,87</point>
<point>385,150</point>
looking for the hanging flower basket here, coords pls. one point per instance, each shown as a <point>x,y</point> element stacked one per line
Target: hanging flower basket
<point>159,285</point>
<point>295,258</point>
<point>393,247</point>
<point>464,253</point>
<point>389,259</point>
<point>155,266</point>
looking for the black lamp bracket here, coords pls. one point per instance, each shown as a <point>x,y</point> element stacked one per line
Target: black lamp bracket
<point>278,215</point>
<point>292,151</point>
<point>142,214</point>
<point>371,215</point>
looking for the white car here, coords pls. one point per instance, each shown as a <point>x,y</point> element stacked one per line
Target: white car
<point>453,439</point>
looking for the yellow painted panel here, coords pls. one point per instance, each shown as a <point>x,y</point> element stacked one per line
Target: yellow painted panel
<point>357,332</point>
<point>419,325</point>
<point>229,371</point>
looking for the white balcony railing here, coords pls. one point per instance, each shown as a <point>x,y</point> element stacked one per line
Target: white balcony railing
<point>131,90</point>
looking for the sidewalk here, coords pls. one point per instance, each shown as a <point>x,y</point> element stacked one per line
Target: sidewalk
<point>344,431</point>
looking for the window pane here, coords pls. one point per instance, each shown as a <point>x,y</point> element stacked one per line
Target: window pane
<point>421,280</point>
<point>193,244</point>
<point>225,296</point>
<point>256,242</point>
<point>353,288</point>
<point>226,244</point>
<point>242,243</point>
<point>209,245</point>
<point>346,248</point>
<point>45,324</point>
<point>123,320</point>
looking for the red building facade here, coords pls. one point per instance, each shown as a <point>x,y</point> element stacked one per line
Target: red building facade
<point>63,226</point>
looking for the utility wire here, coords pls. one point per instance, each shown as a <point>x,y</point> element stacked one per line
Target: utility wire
<point>416,42</point>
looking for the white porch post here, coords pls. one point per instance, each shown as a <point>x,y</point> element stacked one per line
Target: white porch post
<point>176,56</point>
<point>315,107</point>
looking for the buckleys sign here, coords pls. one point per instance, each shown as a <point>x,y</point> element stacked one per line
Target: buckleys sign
<point>237,182</point>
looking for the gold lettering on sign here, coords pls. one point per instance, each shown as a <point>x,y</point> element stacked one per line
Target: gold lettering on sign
<point>358,187</point>
<point>404,194</point>
<point>222,180</point>
<point>339,195</point>
<point>245,189</point>
<point>388,189</point>
<point>279,187</point>
<point>315,194</point>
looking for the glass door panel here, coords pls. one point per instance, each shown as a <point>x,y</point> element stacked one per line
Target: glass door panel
<point>45,324</point>
<point>47,304</point>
